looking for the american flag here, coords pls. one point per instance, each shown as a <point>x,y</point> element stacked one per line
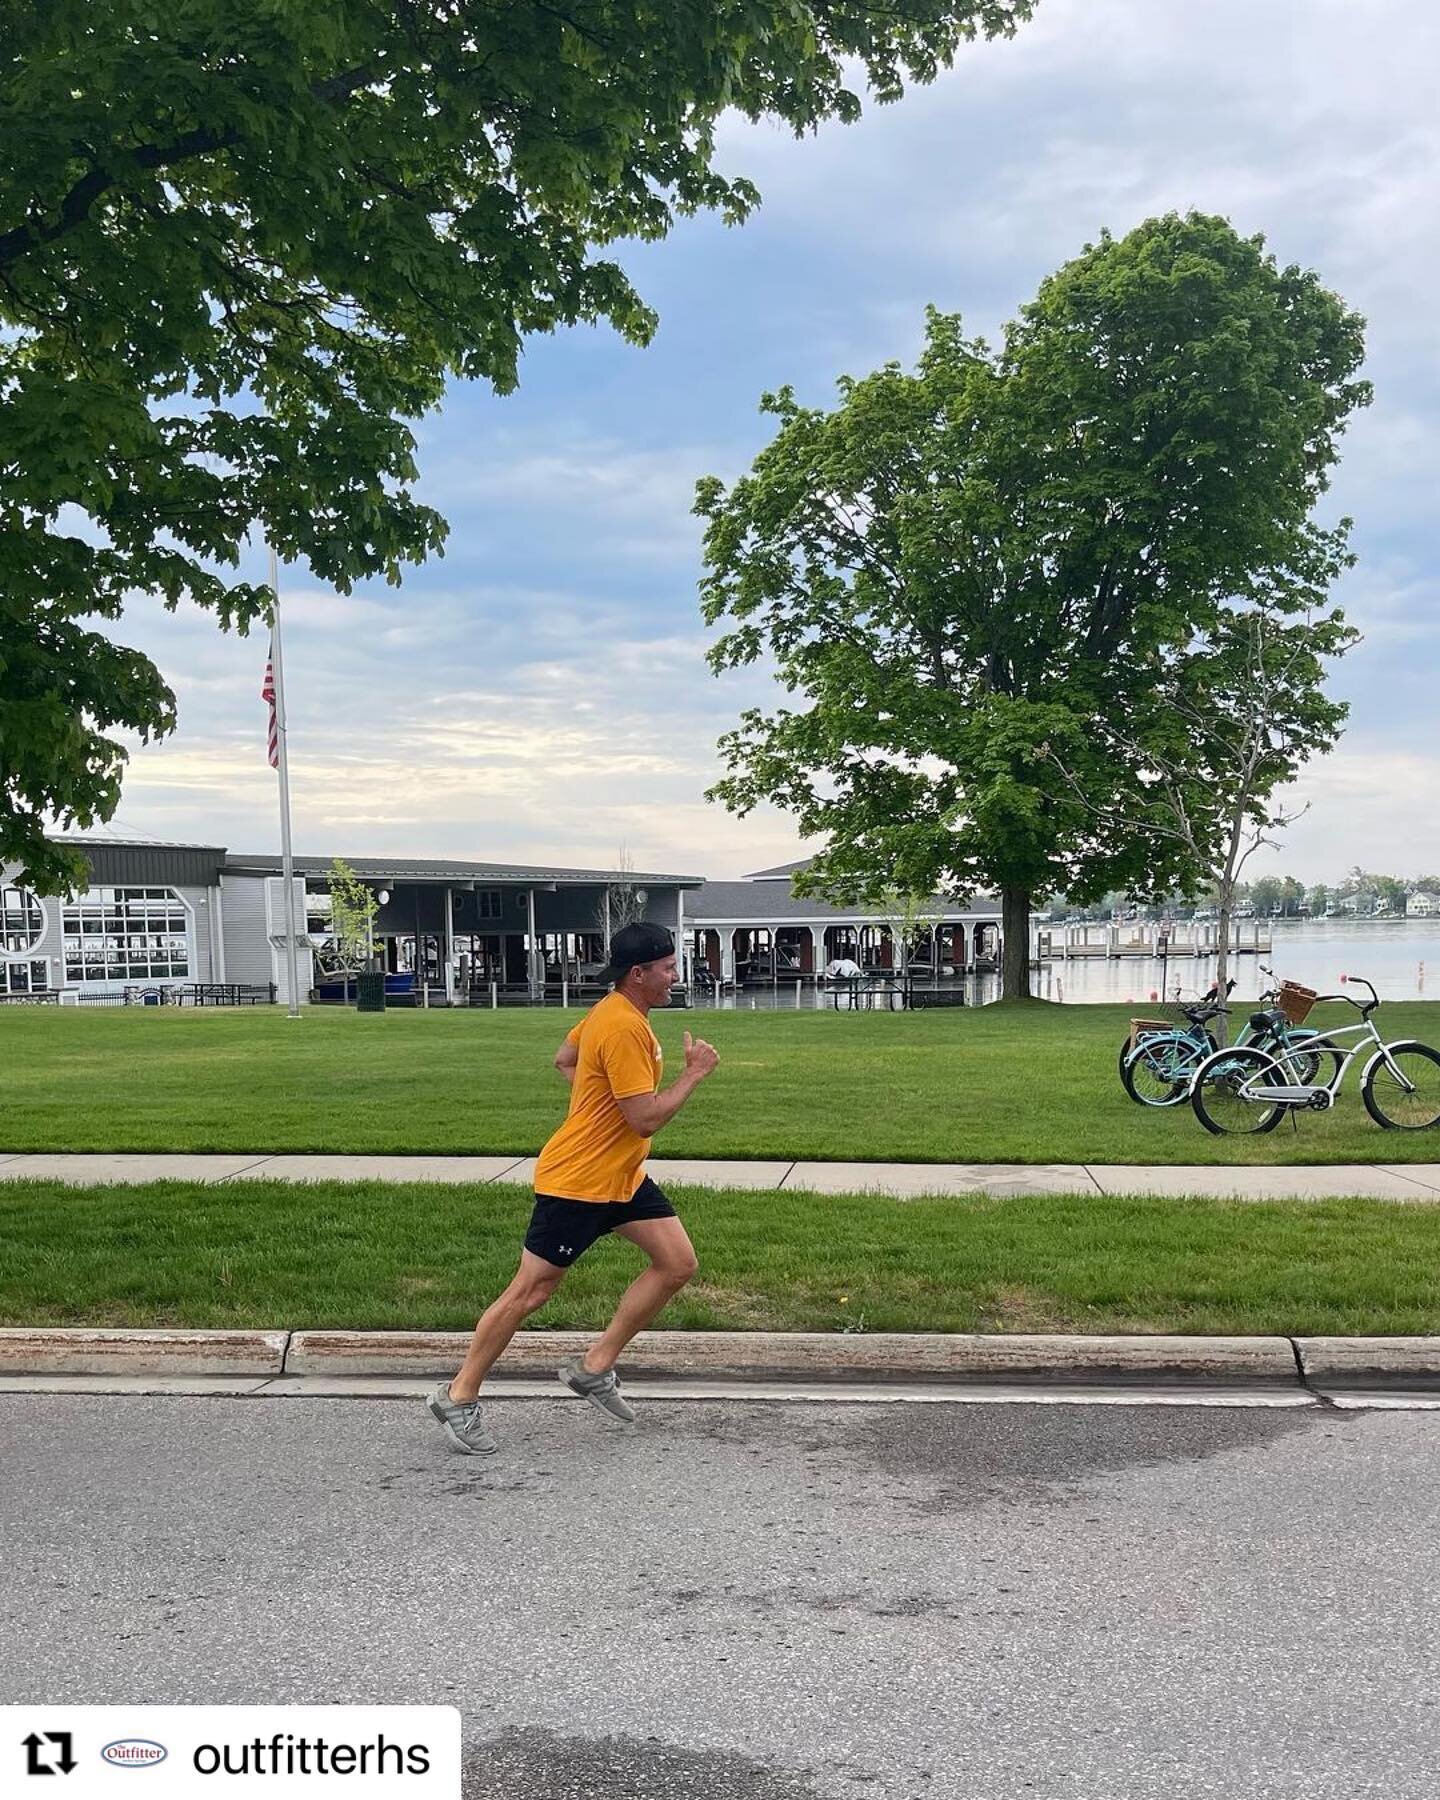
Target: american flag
<point>267,694</point>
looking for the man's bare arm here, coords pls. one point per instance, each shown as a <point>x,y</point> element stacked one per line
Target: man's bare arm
<point>647,1113</point>
<point>567,1058</point>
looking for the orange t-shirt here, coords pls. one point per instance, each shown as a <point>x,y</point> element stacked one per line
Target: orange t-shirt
<point>595,1155</point>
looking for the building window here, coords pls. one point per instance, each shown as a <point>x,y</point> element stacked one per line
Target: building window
<point>127,934</point>
<point>21,921</point>
<point>491,903</point>
<point>24,977</point>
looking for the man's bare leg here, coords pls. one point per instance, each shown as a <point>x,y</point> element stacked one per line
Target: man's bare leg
<point>672,1263</point>
<point>535,1281</point>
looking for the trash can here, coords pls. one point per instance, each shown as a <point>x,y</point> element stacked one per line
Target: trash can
<point>370,991</point>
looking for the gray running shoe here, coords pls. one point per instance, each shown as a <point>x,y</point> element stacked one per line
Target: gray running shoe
<point>463,1425</point>
<point>602,1391</point>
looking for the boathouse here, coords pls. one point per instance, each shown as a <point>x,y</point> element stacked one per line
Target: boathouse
<point>757,932</point>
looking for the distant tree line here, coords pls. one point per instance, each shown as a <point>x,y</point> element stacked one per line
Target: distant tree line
<point>1274,896</point>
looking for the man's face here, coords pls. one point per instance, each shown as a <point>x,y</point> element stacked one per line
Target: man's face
<point>653,981</point>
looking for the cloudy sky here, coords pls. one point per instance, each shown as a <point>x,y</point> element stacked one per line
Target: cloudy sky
<point>540,692</point>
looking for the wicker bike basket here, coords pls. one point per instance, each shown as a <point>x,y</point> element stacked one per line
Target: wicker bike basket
<point>1140,1028</point>
<point>1295,1001</point>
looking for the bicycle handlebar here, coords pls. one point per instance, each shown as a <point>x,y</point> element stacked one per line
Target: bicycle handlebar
<point>1364,1007</point>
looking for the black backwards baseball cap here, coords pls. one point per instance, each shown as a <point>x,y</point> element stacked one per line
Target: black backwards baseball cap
<point>635,944</point>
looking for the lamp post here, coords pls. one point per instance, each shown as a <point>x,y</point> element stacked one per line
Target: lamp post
<point>382,898</point>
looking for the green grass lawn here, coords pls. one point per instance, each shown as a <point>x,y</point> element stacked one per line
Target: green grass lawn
<point>1024,1083</point>
<point>430,1257</point>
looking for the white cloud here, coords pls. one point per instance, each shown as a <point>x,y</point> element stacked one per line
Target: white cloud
<point>1370,804</point>
<point>1394,601</point>
<point>628,500</point>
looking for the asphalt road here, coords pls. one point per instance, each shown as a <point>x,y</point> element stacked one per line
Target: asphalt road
<point>782,1602</point>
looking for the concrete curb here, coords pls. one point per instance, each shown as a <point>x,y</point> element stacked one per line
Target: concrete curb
<point>93,1351</point>
<point>773,1355</point>
<point>1337,1362</point>
<point>933,1358</point>
<point>930,1357</point>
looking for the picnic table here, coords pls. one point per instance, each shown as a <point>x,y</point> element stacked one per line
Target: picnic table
<point>875,990</point>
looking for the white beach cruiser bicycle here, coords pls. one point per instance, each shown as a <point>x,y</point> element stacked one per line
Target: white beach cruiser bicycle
<point>1245,1089</point>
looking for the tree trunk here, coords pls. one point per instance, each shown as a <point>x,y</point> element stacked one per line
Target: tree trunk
<point>1225,893</point>
<point>1014,944</point>
<point>1221,1026</point>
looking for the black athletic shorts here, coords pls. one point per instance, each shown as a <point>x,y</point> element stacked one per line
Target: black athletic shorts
<point>561,1230</point>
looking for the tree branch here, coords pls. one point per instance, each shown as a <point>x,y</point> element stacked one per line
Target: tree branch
<point>76,207</point>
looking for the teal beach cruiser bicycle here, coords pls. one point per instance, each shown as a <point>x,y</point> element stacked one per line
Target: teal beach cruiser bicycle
<point>1247,1089</point>
<point>1160,1059</point>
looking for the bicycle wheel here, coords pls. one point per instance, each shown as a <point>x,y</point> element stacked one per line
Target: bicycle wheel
<point>1221,1106</point>
<point>1409,1101</point>
<point>1158,1072</point>
<point>1128,1047</point>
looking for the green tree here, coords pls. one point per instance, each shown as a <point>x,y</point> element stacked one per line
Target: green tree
<point>243,244</point>
<point>1359,885</point>
<point>1266,893</point>
<point>911,920</point>
<point>1317,898</point>
<point>624,902</point>
<point>958,570</point>
<point>353,910</point>
<point>1216,742</point>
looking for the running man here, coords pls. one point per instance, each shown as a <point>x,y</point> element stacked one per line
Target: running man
<point>590,1180</point>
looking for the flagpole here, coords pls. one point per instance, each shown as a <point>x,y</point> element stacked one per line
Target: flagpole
<point>287,859</point>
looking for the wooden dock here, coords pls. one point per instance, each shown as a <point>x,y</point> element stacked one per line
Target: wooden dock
<point>1151,941</point>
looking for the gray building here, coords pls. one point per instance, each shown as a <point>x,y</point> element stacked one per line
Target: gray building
<point>149,918</point>
<point>159,917</point>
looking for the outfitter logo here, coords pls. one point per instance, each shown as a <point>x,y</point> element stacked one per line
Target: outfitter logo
<point>133,1753</point>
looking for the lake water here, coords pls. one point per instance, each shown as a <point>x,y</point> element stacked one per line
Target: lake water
<point>1397,956</point>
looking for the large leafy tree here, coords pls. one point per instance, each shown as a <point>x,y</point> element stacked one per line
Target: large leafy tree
<point>957,570</point>
<point>243,242</point>
<point>1215,741</point>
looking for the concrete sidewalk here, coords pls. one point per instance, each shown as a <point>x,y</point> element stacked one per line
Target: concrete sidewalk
<point>1414,1182</point>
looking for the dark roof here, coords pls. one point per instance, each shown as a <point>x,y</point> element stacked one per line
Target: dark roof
<point>783,870</point>
<point>411,868</point>
<point>760,903</point>
<point>147,862</point>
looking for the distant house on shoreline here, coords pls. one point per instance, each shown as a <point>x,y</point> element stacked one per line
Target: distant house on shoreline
<point>1422,904</point>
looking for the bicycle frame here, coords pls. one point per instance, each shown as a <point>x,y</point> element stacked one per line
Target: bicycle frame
<point>1321,1095</point>
<point>1185,1047</point>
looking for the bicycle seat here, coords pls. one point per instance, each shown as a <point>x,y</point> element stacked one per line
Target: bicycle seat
<point>1266,1021</point>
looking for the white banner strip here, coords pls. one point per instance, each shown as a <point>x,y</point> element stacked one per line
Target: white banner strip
<point>85,1752</point>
